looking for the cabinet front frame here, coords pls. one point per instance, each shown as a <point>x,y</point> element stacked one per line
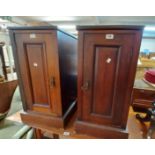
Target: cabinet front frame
<point>82,36</point>
<point>53,70</point>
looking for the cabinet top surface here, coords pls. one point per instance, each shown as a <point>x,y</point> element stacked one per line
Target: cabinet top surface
<point>110,27</point>
<point>33,28</point>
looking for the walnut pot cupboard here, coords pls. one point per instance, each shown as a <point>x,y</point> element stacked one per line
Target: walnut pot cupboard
<point>107,60</point>
<point>46,63</point>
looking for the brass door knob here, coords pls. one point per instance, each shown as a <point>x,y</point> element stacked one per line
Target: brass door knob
<point>85,86</point>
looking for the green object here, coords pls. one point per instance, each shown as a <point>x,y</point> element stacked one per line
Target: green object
<point>30,134</point>
<point>3,116</point>
<point>21,132</point>
<point>9,18</point>
<point>9,128</point>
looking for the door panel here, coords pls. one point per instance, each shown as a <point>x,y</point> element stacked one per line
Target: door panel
<point>104,78</point>
<point>106,72</point>
<point>38,63</point>
<point>36,66</point>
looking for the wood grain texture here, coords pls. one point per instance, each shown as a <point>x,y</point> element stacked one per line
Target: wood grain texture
<point>100,131</point>
<point>37,52</point>
<point>36,66</point>
<point>135,129</point>
<point>7,90</point>
<point>142,99</point>
<point>107,67</point>
<point>105,57</point>
<point>47,122</point>
<point>27,59</point>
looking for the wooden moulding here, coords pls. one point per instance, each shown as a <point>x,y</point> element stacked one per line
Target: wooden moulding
<point>42,121</point>
<point>100,131</point>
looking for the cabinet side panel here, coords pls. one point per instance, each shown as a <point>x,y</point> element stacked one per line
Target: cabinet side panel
<point>136,49</point>
<point>67,46</point>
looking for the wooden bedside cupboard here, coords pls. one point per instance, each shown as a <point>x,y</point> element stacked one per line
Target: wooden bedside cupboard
<point>107,60</point>
<point>46,63</point>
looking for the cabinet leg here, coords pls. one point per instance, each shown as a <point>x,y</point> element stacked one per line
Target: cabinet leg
<point>55,136</point>
<point>38,134</point>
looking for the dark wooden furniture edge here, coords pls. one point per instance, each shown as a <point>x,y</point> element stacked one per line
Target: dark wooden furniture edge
<point>32,27</point>
<point>100,131</point>
<point>141,104</point>
<point>39,28</point>
<point>109,27</point>
<point>48,121</point>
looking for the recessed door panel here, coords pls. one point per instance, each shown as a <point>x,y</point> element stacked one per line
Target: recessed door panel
<point>36,60</point>
<point>106,65</point>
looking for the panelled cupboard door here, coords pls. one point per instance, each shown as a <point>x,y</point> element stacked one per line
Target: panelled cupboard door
<point>36,53</point>
<point>106,69</point>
